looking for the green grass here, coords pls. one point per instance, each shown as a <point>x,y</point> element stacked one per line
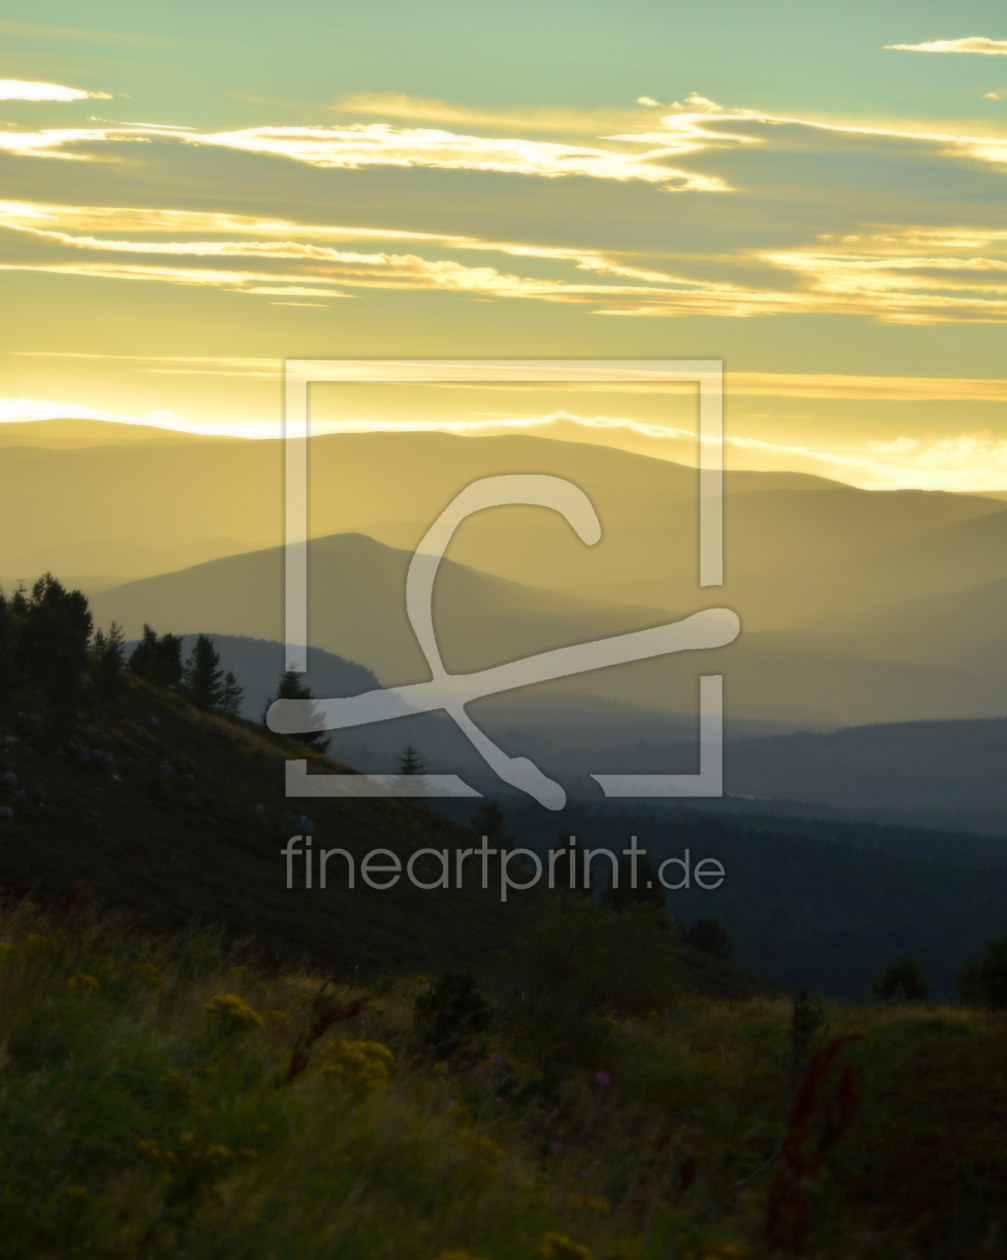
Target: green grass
<point>136,1122</point>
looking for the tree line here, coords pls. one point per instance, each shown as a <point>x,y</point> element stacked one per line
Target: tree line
<point>52,654</point>
<point>53,657</point>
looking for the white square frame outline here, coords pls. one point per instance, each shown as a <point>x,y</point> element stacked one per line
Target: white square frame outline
<point>708,374</point>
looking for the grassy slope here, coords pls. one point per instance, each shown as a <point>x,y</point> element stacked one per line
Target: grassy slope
<point>176,850</point>
<point>136,1122</point>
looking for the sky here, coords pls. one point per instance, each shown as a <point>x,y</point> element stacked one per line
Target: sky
<point>811,194</point>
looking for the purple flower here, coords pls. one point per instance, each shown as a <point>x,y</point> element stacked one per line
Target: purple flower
<point>498,1100</point>
<point>556,1147</point>
<point>496,1058</point>
<point>603,1078</point>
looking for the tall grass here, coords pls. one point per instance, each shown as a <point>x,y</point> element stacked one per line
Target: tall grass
<point>169,1099</point>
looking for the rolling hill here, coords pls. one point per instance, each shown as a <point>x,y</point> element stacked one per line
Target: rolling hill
<point>177,818</point>
<point>357,611</point>
<point>795,546</point>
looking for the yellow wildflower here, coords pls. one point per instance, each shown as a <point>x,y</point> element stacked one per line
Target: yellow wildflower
<point>81,983</point>
<point>238,973</point>
<point>149,974</point>
<point>234,1013</point>
<point>363,1064</point>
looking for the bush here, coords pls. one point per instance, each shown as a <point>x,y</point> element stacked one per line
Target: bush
<point>578,958</point>
<point>451,1015</point>
<point>709,936</point>
<point>904,981</point>
<point>984,982</point>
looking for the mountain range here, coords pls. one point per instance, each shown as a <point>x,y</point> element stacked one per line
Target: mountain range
<point>857,607</point>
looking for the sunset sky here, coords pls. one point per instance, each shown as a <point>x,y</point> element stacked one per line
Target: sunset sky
<point>813,194</point>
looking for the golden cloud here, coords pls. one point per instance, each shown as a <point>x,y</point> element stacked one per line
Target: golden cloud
<point>910,275</point>
<point>627,380</point>
<point>551,120</point>
<point>974,44</point>
<point>25,90</point>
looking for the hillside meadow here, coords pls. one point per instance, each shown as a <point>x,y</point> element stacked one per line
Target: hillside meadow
<point>168,1097</point>
<point>196,1062</point>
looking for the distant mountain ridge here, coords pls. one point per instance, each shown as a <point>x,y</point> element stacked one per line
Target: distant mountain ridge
<point>935,774</point>
<point>795,545</point>
<point>357,611</point>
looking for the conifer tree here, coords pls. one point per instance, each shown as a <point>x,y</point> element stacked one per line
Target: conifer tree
<point>291,688</point>
<point>230,702</point>
<point>6,654</point>
<point>52,646</point>
<point>410,762</point>
<point>158,661</point>
<point>109,658</point>
<point>202,680</point>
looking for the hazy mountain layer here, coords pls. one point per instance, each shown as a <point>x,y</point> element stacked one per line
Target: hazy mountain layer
<point>357,611</point>
<point>795,546</point>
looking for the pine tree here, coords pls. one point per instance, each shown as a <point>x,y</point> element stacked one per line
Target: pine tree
<point>52,646</point>
<point>109,657</point>
<point>6,654</point>
<point>291,688</point>
<point>202,678</point>
<point>230,702</point>
<point>158,661</point>
<point>410,762</point>
<point>142,657</point>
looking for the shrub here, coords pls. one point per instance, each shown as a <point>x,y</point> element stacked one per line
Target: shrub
<point>709,936</point>
<point>362,1064</point>
<point>451,1014</point>
<point>904,981</point>
<point>984,982</point>
<point>233,1014</point>
<point>580,962</point>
